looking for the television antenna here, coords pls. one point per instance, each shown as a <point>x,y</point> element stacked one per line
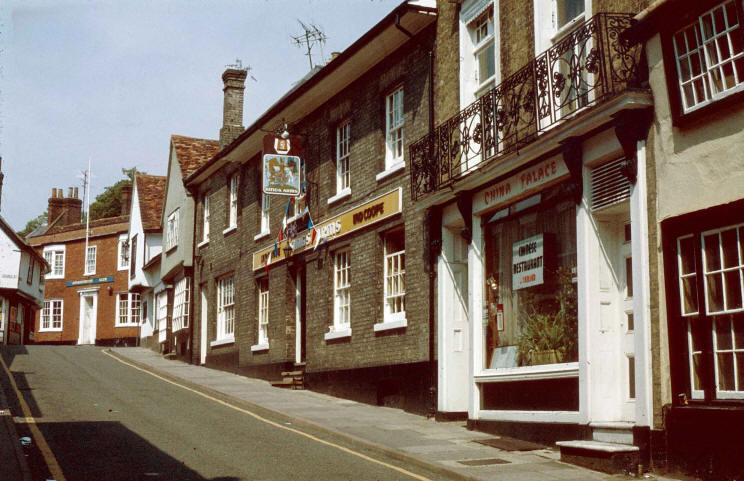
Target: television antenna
<point>312,36</point>
<point>238,65</point>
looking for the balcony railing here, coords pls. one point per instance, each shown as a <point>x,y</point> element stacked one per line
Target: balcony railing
<point>588,66</point>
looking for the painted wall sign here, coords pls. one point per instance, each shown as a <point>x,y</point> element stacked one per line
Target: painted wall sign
<point>376,210</point>
<point>84,282</point>
<point>281,166</point>
<point>527,262</point>
<point>523,182</point>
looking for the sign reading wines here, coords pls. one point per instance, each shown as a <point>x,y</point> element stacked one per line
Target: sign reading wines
<point>527,262</point>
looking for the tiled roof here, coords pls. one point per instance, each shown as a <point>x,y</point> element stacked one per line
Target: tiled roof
<point>151,196</point>
<point>193,153</point>
<point>106,226</point>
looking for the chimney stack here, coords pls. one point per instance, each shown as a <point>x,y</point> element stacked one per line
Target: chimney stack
<point>54,207</point>
<point>75,193</point>
<point>126,199</point>
<point>232,107</point>
<point>69,207</point>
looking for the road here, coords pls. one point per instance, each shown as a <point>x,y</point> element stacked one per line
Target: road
<point>103,420</point>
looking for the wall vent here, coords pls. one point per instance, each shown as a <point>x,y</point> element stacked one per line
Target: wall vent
<point>609,186</point>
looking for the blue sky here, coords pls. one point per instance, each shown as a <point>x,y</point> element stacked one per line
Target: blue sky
<point>112,80</point>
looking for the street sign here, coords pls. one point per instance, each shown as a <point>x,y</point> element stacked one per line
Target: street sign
<point>282,166</point>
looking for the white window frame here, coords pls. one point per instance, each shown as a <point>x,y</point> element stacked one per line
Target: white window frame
<point>709,66</point>
<point>90,260</point>
<point>483,37</point>
<point>342,289</point>
<point>263,311</point>
<point>55,257</point>
<point>233,203</point>
<point>394,129</point>
<point>181,299</point>
<point>226,309</point>
<point>48,321</point>
<point>205,220</point>
<point>130,315</point>
<point>265,215</point>
<point>343,171</point>
<point>394,283</point>
<point>162,310</point>
<point>123,254</point>
<point>172,229</point>
<point>722,271</point>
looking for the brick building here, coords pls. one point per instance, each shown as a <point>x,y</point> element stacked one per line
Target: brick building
<point>537,191</point>
<point>347,297</point>
<point>86,297</point>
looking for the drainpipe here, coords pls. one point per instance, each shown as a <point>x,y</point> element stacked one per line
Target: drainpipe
<point>400,27</point>
<point>194,192</point>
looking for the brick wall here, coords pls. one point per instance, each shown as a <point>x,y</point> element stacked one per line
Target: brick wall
<point>363,103</point>
<point>517,25</point>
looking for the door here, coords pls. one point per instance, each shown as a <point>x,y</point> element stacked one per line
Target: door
<point>300,312</point>
<point>203,338</point>
<point>88,317</point>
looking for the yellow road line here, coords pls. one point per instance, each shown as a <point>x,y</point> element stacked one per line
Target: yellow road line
<point>46,451</point>
<point>275,424</point>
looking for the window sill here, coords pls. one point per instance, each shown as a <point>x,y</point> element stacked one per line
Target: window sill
<point>340,196</point>
<point>51,329</point>
<point>202,244</point>
<point>261,235</point>
<point>123,268</point>
<point>51,277</point>
<point>89,273</point>
<point>393,169</point>
<point>171,248</point>
<point>543,371</point>
<point>126,325</point>
<point>222,342</point>
<point>386,326</point>
<point>232,228</point>
<point>260,347</point>
<point>337,334</point>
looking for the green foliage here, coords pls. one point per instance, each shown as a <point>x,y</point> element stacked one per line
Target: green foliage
<point>108,203</point>
<point>551,324</point>
<point>33,224</point>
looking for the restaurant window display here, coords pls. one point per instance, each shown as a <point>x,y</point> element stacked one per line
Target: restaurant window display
<point>530,289</point>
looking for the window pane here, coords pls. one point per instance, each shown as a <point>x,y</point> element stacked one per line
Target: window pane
<point>733,289</point>
<point>740,371</point>
<point>712,254</point>
<point>715,292</point>
<point>723,334</point>
<point>739,333</point>
<point>631,377</point>
<point>697,371</point>
<point>629,275</point>
<point>730,246</point>
<point>689,295</point>
<point>725,371</point>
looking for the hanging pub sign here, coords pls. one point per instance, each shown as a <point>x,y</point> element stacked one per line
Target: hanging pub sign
<point>281,165</point>
<point>527,262</point>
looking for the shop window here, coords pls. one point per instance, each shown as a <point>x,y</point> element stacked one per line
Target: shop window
<point>531,298</point>
<point>709,56</point>
<point>395,276</point>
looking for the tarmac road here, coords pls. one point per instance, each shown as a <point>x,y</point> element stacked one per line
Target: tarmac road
<point>103,420</point>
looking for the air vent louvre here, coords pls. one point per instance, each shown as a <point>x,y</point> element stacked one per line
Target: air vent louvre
<point>609,186</point>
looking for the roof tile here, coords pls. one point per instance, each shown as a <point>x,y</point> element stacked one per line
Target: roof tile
<point>151,196</point>
<point>192,153</point>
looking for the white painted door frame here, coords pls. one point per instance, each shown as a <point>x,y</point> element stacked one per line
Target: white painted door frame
<point>91,333</point>
<point>298,316</point>
<point>203,323</point>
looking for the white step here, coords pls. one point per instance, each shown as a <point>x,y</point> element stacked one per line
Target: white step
<point>598,446</point>
<point>612,432</point>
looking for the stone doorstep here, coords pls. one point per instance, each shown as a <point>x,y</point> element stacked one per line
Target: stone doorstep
<point>612,432</point>
<point>601,456</point>
<point>598,446</point>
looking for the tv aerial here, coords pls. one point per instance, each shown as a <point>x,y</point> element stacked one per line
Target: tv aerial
<point>238,65</point>
<point>312,36</point>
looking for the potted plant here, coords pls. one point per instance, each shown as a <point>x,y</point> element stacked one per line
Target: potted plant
<point>549,328</point>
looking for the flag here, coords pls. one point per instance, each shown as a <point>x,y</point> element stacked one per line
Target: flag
<point>268,262</point>
<point>281,235</point>
<point>276,249</point>
<point>316,243</point>
<point>313,236</point>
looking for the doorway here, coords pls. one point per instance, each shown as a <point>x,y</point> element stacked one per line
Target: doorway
<point>203,324</point>
<point>88,317</point>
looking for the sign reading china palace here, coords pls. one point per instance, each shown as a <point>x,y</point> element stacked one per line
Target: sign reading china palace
<point>371,212</point>
<point>536,177</point>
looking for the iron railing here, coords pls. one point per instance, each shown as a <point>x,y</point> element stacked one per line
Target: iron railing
<point>589,65</point>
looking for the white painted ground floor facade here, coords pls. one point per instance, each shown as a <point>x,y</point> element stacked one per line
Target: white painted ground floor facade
<point>543,317</point>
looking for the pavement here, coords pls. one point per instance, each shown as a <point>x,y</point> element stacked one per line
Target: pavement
<point>446,448</point>
<point>13,465</point>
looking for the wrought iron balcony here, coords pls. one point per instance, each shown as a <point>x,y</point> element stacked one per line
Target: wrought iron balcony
<point>588,66</point>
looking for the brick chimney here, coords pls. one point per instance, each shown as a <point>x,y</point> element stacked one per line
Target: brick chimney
<point>70,207</point>
<point>232,107</point>
<point>126,199</point>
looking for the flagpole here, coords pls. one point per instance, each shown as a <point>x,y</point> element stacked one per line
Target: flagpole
<point>87,216</point>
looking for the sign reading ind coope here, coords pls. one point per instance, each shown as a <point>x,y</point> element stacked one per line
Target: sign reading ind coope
<point>527,262</point>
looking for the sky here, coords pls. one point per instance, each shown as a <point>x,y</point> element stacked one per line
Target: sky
<point>111,80</point>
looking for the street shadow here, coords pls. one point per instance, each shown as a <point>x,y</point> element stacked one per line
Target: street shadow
<point>9,353</point>
<point>107,451</point>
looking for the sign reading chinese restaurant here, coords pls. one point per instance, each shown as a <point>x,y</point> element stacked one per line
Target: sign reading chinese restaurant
<point>523,182</point>
<point>376,210</point>
<point>527,262</point>
<point>95,280</point>
<point>281,166</point>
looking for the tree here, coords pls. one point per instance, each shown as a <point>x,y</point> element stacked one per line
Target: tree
<point>108,203</point>
<point>33,224</point>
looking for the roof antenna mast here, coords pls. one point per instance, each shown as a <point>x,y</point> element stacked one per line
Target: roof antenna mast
<point>312,35</point>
